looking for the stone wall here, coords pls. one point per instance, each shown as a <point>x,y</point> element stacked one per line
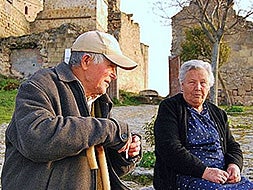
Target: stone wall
<point>238,72</point>
<point>129,39</point>
<point>80,12</point>
<point>22,56</point>
<point>30,8</point>
<point>56,28</point>
<point>12,21</point>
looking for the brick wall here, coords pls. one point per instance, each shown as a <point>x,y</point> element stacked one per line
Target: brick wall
<point>29,9</point>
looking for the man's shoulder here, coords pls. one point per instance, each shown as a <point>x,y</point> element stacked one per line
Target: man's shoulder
<point>42,75</point>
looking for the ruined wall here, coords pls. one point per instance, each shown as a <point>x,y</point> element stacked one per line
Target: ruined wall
<point>29,8</point>
<point>12,21</point>
<point>56,28</point>
<point>22,56</point>
<point>237,73</point>
<point>103,15</point>
<point>127,32</point>
<point>79,12</point>
<point>129,39</point>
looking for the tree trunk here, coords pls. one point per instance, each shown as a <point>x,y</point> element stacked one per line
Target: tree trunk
<point>228,98</point>
<point>215,66</point>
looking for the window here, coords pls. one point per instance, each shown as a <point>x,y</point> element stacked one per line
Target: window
<point>26,10</point>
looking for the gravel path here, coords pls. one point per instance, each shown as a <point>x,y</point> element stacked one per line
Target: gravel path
<point>138,116</point>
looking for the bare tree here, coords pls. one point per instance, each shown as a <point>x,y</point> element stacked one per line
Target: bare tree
<point>197,46</point>
<point>215,17</point>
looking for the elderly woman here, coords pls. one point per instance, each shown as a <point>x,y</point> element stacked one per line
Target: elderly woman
<point>194,145</point>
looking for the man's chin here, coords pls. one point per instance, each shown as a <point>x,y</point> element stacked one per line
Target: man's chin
<point>104,90</point>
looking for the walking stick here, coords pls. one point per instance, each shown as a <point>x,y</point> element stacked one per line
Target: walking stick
<point>103,167</point>
<point>90,153</point>
<point>91,156</point>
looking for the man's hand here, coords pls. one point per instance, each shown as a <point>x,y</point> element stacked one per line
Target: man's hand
<point>135,146</point>
<point>215,175</point>
<point>132,147</point>
<point>234,173</point>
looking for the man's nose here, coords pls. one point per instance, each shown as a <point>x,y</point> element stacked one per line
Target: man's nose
<point>113,75</point>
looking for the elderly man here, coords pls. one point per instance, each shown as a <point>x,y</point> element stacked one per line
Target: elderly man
<point>61,135</point>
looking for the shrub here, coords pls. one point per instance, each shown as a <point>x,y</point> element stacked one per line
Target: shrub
<point>126,98</point>
<point>149,131</point>
<point>8,83</point>
<point>148,160</point>
<point>234,109</point>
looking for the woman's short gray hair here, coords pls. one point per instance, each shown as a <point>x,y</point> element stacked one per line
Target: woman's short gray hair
<point>196,64</point>
<point>76,57</point>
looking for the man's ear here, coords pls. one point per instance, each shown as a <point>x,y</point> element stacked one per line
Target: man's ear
<point>85,61</point>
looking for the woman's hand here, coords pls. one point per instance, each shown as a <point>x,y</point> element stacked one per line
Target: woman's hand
<point>215,175</point>
<point>234,173</point>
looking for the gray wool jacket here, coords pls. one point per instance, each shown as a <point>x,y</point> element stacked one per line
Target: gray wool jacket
<point>50,130</point>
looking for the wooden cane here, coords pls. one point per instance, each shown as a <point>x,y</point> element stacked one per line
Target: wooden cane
<point>91,156</point>
<point>103,167</point>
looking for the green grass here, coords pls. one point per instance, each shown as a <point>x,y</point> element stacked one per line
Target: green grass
<point>147,161</point>
<point>234,109</point>
<point>238,110</point>
<point>7,103</point>
<point>141,179</point>
<point>8,92</point>
<point>126,99</point>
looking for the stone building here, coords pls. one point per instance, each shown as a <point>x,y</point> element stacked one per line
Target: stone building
<point>15,16</point>
<point>32,39</point>
<point>237,73</point>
